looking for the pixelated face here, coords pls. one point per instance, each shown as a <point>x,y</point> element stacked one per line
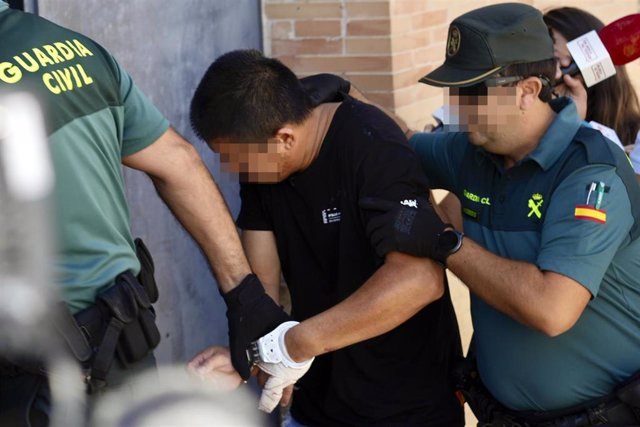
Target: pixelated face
<point>560,51</point>
<point>257,162</point>
<point>480,108</point>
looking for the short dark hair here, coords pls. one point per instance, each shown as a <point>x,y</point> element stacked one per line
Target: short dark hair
<point>545,70</point>
<point>247,96</point>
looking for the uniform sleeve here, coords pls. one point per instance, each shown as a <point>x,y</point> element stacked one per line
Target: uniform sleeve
<point>252,214</point>
<point>577,241</point>
<point>635,155</point>
<point>143,123</point>
<point>440,154</point>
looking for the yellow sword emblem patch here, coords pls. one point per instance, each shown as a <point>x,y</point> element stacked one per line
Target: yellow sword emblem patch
<point>534,204</point>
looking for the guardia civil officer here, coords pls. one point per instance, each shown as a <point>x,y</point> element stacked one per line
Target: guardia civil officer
<point>97,120</point>
<point>550,250</point>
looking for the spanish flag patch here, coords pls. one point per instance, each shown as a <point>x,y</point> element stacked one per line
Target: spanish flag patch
<point>589,212</point>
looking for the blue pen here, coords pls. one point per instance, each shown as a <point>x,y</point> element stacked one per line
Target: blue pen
<point>599,194</point>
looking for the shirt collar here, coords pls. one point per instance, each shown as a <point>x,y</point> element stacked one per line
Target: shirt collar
<point>554,141</point>
<point>3,6</point>
<point>559,135</point>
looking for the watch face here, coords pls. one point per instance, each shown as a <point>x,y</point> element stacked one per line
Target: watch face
<point>448,241</point>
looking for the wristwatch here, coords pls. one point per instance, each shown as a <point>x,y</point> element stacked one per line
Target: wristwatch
<point>448,243</point>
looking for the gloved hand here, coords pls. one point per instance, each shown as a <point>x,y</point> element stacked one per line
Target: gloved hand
<point>251,314</point>
<point>404,228</point>
<point>325,87</point>
<point>276,362</point>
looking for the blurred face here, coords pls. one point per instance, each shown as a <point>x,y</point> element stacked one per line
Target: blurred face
<point>257,162</point>
<point>563,56</point>
<point>560,51</point>
<point>482,110</point>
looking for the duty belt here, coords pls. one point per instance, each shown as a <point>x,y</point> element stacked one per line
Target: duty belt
<point>620,408</point>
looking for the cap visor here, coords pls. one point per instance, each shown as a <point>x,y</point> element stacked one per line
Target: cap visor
<point>447,76</point>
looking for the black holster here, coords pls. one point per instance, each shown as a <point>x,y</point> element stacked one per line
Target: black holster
<point>121,324</point>
<point>468,383</point>
<point>146,276</point>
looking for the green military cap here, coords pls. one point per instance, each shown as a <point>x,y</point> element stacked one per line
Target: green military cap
<point>484,41</point>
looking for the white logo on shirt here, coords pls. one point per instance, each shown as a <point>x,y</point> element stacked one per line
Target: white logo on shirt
<point>411,203</point>
<point>331,215</point>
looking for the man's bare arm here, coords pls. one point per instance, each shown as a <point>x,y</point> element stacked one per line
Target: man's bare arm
<point>398,290</point>
<point>546,301</point>
<point>262,252</point>
<point>185,184</point>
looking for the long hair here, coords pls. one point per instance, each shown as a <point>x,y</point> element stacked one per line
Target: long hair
<point>612,102</point>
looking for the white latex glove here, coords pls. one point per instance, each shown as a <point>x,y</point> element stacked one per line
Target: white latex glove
<point>276,362</point>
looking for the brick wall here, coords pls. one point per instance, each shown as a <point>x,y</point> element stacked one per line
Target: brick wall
<point>384,46</point>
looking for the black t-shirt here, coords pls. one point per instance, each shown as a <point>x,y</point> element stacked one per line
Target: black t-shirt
<point>398,378</point>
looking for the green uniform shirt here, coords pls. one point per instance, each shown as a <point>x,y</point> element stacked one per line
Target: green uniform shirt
<point>513,214</point>
<point>95,115</point>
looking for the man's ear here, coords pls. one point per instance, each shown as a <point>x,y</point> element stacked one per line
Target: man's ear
<point>530,88</point>
<point>286,137</point>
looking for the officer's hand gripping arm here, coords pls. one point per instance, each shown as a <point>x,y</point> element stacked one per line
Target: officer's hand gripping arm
<point>408,229</point>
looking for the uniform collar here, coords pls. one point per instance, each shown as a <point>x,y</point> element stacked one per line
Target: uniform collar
<point>559,135</point>
<point>554,141</point>
<point>3,6</point>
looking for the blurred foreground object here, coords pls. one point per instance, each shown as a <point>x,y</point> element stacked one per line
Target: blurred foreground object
<point>172,397</point>
<point>27,295</point>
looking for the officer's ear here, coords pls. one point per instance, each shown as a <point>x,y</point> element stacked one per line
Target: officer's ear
<point>286,138</point>
<point>529,90</point>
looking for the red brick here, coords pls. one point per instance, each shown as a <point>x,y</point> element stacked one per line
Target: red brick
<point>428,55</point>
<point>403,61</point>
<point>318,28</point>
<point>281,29</point>
<point>439,35</point>
<point>408,7</point>
<point>368,27</point>
<point>368,10</point>
<point>401,25</point>
<point>371,82</point>
<point>305,46</point>
<point>369,45</point>
<point>429,19</point>
<point>303,10</point>
<point>413,40</point>
<point>337,64</point>
<point>408,77</point>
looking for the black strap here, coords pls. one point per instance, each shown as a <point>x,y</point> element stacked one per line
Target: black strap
<point>106,353</point>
